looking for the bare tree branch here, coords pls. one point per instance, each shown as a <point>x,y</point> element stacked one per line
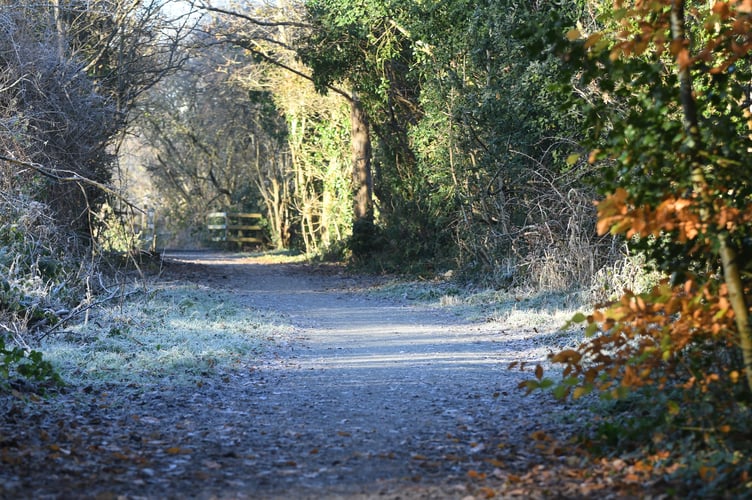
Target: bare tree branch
<point>251,46</point>
<point>67,176</point>
<point>257,22</point>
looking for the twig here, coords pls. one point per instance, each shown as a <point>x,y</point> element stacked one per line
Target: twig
<point>78,310</point>
<point>254,20</point>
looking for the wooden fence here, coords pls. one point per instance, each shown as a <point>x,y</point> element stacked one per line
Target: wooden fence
<point>237,228</point>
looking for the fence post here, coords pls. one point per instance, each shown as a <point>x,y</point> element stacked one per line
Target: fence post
<point>151,224</point>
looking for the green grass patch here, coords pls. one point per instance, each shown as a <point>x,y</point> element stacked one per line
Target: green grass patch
<point>180,332</point>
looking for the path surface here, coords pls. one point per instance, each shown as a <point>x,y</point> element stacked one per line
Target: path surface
<point>376,397</point>
<point>369,398</point>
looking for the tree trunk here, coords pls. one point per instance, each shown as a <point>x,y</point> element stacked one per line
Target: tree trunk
<point>361,162</point>
<point>59,27</point>
<point>727,254</point>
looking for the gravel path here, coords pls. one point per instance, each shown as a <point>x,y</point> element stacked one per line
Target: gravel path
<point>375,397</point>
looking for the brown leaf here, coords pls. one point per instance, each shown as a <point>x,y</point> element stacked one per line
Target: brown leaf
<point>707,473</point>
<point>176,450</point>
<point>120,455</point>
<point>539,436</point>
<point>487,492</point>
<point>632,478</point>
<point>474,474</point>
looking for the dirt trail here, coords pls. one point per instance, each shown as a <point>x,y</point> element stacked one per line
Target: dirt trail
<point>375,396</point>
<point>369,398</point>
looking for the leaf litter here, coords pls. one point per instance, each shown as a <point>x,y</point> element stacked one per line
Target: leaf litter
<point>236,379</point>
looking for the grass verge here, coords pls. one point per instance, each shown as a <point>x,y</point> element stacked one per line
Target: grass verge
<point>519,308</point>
<point>176,332</point>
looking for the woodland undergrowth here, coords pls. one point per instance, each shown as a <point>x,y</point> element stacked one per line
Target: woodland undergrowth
<point>41,283</point>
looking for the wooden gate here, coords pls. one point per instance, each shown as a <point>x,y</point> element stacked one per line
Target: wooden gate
<point>234,227</point>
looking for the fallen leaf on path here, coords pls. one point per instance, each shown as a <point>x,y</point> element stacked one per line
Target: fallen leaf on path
<point>486,492</point>
<point>176,450</point>
<point>474,474</point>
<point>539,436</point>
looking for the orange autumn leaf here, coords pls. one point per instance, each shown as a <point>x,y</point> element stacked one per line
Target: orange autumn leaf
<point>744,6</point>
<point>632,478</point>
<point>539,436</point>
<point>567,356</point>
<point>683,59</point>
<point>707,473</point>
<point>681,215</point>
<point>593,157</point>
<point>721,8</point>
<point>474,474</point>
<point>487,492</point>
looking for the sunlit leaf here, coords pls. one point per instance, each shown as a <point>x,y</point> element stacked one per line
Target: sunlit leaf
<point>579,318</point>
<point>591,329</point>
<point>561,391</point>
<point>579,392</point>
<point>573,34</point>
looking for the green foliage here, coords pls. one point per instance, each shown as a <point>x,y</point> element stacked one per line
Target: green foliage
<point>361,43</point>
<point>15,361</point>
<point>113,235</point>
<point>37,286</point>
<point>28,268</point>
<point>668,122</point>
<point>681,433</point>
<point>318,139</point>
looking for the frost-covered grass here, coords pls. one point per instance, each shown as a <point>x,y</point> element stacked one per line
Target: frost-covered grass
<point>513,308</point>
<point>177,333</point>
<point>519,309</point>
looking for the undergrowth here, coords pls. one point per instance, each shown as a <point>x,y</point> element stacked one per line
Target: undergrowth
<point>42,280</point>
<point>679,435</point>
